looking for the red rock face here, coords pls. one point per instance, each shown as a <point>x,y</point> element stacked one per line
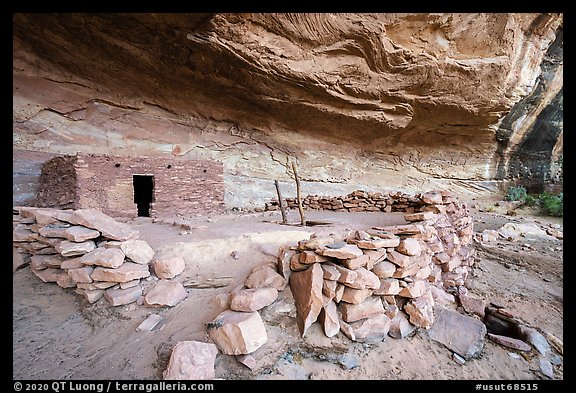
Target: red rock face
<point>384,94</point>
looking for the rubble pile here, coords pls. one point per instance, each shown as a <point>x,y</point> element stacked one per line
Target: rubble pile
<point>385,280</point>
<point>367,284</point>
<point>94,254</point>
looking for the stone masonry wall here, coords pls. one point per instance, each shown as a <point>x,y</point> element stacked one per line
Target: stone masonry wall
<point>383,280</point>
<point>357,201</point>
<point>181,187</point>
<point>373,283</point>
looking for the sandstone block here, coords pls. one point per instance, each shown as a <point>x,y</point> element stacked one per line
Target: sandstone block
<point>139,251</point>
<point>340,251</point>
<point>329,319</point>
<point>329,288</point>
<point>388,286</point>
<point>55,230</point>
<point>168,266</point>
<point>92,296</point>
<point>373,327</point>
<point>384,269</point>
<point>249,300</point>
<point>330,272</point>
<point>355,263</point>
<point>120,297</point>
<point>106,257</point>
<point>107,226</point>
<point>237,333</point>
<point>149,323</point>
<point>364,279</point>
<point>459,333</point>
<point>81,275</point>
<point>346,275</point>
<point>409,246</point>
<point>23,234</point>
<point>165,293</point>
<point>128,271</point>
<point>400,326</point>
<point>420,311</point>
<point>376,243</point>
<point>191,360</point>
<point>67,248</point>
<point>415,289</point>
<point>510,342</point>
<point>308,257</point>
<point>306,287</point>
<point>354,312</point>
<point>283,262</point>
<point>398,259</point>
<point>355,296</point>
<point>40,262</point>
<point>374,257</point>
<point>265,277</point>
<point>420,216</point>
<point>80,234</point>
<point>71,263</point>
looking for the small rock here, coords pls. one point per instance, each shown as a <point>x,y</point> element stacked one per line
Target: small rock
<point>237,333</point>
<point>106,257</point>
<point>191,360</point>
<point>168,267</point>
<point>149,323</point>
<point>120,297</point>
<point>165,293</point>
<point>344,251</point>
<point>247,360</point>
<point>139,251</point>
<point>458,359</point>
<point>253,299</point>
<point>263,277</point>
<point>409,246</point>
<point>510,342</point>
<point>546,368</point>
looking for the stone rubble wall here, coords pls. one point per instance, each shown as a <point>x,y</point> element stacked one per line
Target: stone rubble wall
<point>368,284</point>
<point>383,280</point>
<point>180,186</point>
<point>358,201</point>
<point>95,255</point>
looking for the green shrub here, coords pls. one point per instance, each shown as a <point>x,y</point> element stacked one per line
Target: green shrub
<point>516,193</point>
<point>552,204</point>
<point>531,200</point>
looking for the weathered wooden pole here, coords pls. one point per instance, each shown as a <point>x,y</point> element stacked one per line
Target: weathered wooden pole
<point>281,202</point>
<point>298,199</point>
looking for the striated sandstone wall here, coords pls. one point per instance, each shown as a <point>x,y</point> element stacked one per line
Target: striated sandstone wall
<point>370,101</point>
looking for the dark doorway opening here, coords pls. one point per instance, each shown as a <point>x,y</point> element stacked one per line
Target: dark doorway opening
<point>143,193</point>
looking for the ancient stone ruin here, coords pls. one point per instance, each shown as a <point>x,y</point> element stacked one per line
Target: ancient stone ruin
<point>135,186</point>
<point>97,255</point>
<point>368,284</point>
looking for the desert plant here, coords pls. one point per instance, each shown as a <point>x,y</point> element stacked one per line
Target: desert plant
<point>531,200</point>
<point>551,204</point>
<point>516,193</point>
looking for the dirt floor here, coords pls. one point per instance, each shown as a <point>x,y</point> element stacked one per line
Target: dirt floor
<point>58,335</point>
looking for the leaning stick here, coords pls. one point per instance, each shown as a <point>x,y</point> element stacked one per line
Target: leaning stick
<point>281,202</point>
<point>298,199</point>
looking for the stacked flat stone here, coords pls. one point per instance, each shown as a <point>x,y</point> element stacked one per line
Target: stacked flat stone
<point>359,201</point>
<point>382,281</point>
<point>240,330</point>
<point>84,249</point>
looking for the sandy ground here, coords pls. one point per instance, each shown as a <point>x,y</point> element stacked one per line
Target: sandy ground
<point>58,335</point>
